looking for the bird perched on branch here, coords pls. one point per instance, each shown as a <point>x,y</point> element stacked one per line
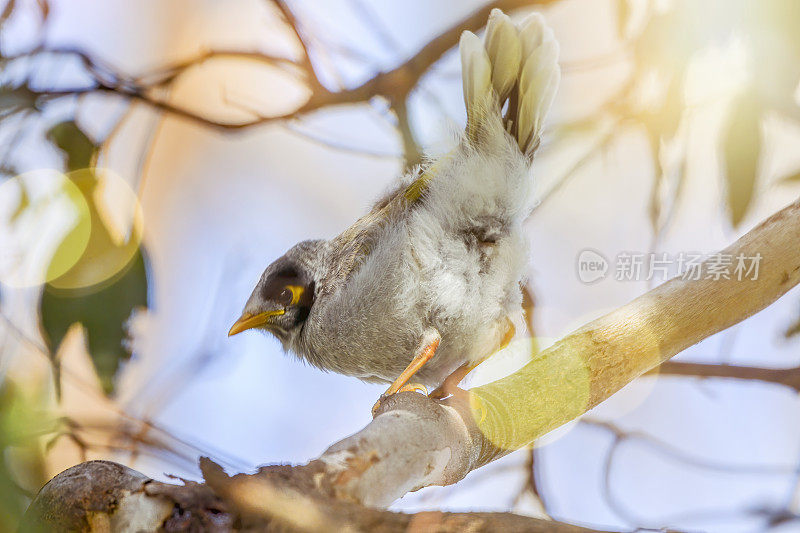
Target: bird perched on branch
<point>427,284</point>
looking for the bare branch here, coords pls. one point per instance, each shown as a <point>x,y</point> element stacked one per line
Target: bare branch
<point>411,150</point>
<point>789,377</point>
<point>394,85</point>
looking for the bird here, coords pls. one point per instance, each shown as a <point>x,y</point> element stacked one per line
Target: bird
<point>428,284</point>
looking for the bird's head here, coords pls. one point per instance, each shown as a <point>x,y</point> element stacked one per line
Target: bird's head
<point>283,297</point>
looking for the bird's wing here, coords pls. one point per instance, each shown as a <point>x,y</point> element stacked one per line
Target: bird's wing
<point>356,242</point>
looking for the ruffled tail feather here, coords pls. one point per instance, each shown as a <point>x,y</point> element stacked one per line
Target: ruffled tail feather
<point>513,65</point>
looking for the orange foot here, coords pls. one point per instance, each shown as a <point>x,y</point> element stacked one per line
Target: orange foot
<point>424,354</point>
<point>450,384</point>
<point>408,387</point>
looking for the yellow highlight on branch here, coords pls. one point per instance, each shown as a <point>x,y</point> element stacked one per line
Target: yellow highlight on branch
<point>562,382</point>
<point>117,227</point>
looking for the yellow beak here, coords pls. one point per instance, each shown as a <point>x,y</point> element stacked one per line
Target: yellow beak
<point>248,321</point>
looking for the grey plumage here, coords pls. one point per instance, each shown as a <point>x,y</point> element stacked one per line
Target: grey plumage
<point>443,250</point>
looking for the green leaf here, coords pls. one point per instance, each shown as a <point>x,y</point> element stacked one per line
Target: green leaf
<point>103,311</point>
<point>741,151</point>
<point>108,281</point>
<point>23,420</point>
<point>75,144</point>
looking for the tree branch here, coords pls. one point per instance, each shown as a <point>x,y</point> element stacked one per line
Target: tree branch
<point>395,85</point>
<point>789,377</point>
<point>414,442</point>
<point>105,496</point>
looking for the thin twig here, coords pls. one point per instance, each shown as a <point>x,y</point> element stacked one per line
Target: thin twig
<point>788,377</point>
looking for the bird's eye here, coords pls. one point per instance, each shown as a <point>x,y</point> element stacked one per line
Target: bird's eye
<point>285,297</point>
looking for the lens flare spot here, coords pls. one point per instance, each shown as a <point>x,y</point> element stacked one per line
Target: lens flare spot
<point>563,381</point>
<point>553,388</point>
<point>117,228</point>
<point>47,229</point>
<point>555,435</point>
<point>630,398</point>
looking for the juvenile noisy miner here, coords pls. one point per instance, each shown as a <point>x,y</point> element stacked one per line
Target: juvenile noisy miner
<point>427,284</point>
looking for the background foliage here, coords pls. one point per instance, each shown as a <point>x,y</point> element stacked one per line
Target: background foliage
<point>655,103</point>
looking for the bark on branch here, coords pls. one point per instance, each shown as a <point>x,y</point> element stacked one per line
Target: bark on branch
<point>415,442</point>
<point>103,496</point>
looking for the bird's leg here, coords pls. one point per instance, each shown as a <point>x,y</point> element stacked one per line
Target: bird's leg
<point>424,354</point>
<point>450,384</point>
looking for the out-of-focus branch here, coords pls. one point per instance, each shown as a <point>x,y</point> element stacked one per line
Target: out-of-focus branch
<point>411,150</point>
<point>294,24</point>
<point>394,85</point>
<point>621,437</point>
<point>789,377</point>
<point>531,487</point>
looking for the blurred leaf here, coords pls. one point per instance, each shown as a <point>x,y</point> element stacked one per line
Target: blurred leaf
<point>775,41</point>
<point>106,250</point>
<point>654,209</point>
<point>663,122</point>
<point>75,144</point>
<point>106,284</point>
<point>668,41</point>
<point>22,420</point>
<point>102,311</point>
<point>24,203</point>
<point>662,125</point>
<point>741,150</point>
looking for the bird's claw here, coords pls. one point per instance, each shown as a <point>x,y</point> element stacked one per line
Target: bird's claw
<point>408,387</point>
<point>414,387</point>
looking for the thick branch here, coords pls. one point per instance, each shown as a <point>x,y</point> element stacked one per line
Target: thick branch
<point>105,496</point>
<point>415,442</point>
